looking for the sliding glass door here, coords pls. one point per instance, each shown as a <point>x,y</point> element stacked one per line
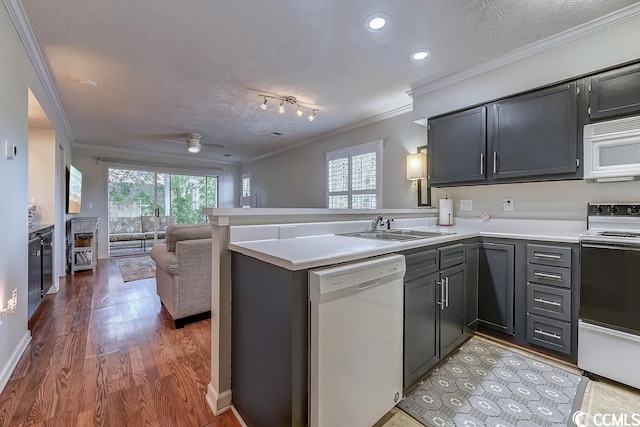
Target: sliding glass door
<point>143,203</point>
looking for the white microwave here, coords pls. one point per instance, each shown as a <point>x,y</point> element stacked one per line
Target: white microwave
<point>612,150</point>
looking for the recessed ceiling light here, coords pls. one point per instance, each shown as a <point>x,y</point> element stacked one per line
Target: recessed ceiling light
<point>89,82</point>
<point>421,54</point>
<point>376,21</point>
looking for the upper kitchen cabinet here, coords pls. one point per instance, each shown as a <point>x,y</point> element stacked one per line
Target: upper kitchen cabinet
<point>457,147</point>
<point>529,137</point>
<point>534,134</point>
<point>615,93</point>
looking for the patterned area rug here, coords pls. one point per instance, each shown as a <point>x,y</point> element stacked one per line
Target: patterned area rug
<point>486,385</point>
<point>136,267</point>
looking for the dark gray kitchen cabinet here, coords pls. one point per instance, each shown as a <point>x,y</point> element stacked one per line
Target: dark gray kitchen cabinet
<point>615,93</point>
<point>433,307</point>
<point>420,326</point>
<point>534,134</point>
<point>471,286</point>
<point>457,147</point>
<point>496,286</point>
<point>452,325</point>
<point>34,288</point>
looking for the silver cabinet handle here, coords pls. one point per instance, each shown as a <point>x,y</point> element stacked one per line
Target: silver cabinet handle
<point>442,301</point>
<point>546,256</point>
<point>482,164</point>
<point>446,284</point>
<point>547,334</point>
<point>547,275</point>
<point>546,301</point>
<point>495,162</point>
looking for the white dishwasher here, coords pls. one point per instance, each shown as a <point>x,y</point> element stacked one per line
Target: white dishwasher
<point>355,342</point>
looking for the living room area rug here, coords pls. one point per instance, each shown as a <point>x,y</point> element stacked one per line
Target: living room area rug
<point>484,384</point>
<point>136,267</point>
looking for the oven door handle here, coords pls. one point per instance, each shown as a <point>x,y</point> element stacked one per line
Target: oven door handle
<point>605,246</point>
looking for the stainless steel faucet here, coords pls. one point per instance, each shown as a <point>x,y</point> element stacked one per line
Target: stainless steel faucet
<point>376,222</point>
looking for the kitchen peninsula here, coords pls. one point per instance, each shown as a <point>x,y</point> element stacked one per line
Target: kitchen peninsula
<point>280,240</point>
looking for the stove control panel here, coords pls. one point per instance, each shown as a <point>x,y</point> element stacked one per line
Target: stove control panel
<point>613,209</point>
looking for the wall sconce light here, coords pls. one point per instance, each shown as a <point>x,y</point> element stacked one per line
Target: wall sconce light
<point>11,305</point>
<point>416,166</point>
<point>289,100</point>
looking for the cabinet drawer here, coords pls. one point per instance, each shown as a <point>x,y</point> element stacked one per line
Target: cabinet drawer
<point>549,301</point>
<point>548,275</point>
<point>421,263</point>
<point>549,255</point>
<point>549,333</point>
<point>451,255</point>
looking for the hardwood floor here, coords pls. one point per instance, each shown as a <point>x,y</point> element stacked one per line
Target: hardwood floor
<point>104,353</point>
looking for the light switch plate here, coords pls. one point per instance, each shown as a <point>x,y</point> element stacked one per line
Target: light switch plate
<point>466,205</point>
<point>10,150</point>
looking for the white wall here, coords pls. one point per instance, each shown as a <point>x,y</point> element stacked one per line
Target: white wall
<point>95,175</point>
<point>554,200</point>
<point>296,178</point>
<point>42,171</point>
<point>16,77</point>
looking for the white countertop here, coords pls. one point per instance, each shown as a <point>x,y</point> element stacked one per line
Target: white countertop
<point>326,248</point>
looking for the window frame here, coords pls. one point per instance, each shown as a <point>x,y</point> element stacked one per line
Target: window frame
<point>350,152</point>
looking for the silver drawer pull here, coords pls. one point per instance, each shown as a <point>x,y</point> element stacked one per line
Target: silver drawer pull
<point>547,334</point>
<point>547,275</point>
<point>546,301</point>
<point>546,256</point>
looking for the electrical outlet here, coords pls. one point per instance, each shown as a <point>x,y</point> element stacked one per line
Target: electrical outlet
<point>508,203</point>
<point>286,232</point>
<point>466,205</point>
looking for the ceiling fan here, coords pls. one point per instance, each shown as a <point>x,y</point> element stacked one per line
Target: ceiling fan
<point>194,143</point>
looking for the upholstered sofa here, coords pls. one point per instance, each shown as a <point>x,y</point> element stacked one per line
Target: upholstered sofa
<point>136,228</point>
<point>183,271</point>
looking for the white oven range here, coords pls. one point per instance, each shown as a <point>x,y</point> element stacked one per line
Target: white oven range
<point>609,315</point>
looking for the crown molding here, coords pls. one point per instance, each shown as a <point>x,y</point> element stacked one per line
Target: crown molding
<point>374,119</point>
<point>129,151</point>
<point>20,21</point>
<point>583,30</point>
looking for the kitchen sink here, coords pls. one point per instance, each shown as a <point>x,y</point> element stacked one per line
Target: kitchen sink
<point>395,235</point>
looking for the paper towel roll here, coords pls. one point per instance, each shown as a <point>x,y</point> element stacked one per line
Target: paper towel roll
<point>446,212</point>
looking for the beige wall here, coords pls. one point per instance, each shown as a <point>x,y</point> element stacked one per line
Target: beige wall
<point>42,171</point>
<point>296,178</point>
<point>554,200</point>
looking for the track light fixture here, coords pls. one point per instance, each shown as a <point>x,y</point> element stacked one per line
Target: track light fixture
<point>289,100</point>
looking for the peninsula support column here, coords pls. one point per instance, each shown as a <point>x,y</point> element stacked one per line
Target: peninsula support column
<point>219,389</point>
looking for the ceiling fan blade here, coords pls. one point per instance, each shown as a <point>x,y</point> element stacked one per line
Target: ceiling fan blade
<point>176,142</point>
<point>213,144</point>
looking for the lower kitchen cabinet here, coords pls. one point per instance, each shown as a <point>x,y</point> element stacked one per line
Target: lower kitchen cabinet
<point>496,286</point>
<point>471,286</point>
<point>420,326</point>
<point>434,307</point>
<point>451,308</point>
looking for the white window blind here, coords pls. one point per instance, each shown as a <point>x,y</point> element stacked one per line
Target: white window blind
<point>246,199</point>
<point>354,177</point>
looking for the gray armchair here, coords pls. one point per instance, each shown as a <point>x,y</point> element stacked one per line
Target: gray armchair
<point>183,271</point>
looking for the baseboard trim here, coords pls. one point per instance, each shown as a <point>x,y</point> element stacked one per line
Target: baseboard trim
<point>238,417</point>
<point>13,360</point>
<point>218,402</point>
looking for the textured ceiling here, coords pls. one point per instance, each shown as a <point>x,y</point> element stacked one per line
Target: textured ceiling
<point>166,67</point>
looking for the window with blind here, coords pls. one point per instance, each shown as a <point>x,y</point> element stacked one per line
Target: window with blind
<point>245,199</point>
<point>354,177</point>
